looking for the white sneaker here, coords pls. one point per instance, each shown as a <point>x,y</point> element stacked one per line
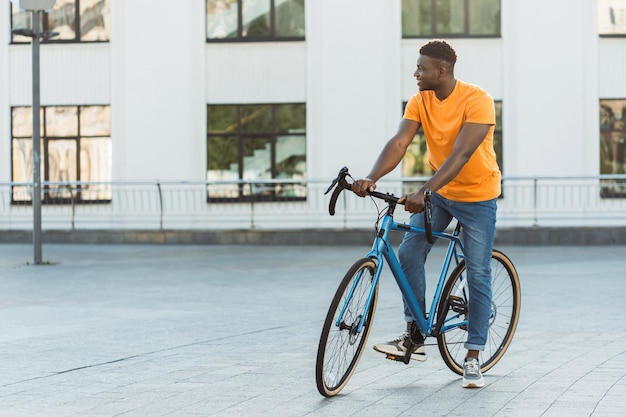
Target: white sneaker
<point>398,347</point>
<point>472,378</point>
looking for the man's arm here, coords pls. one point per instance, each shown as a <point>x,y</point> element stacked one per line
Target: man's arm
<point>468,140</point>
<point>389,158</point>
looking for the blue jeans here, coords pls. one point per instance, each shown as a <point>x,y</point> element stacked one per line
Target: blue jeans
<point>478,223</point>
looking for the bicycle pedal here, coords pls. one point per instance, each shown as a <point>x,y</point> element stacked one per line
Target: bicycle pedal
<point>457,304</point>
<point>395,358</point>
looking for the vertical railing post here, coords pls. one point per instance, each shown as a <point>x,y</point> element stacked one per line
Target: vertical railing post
<point>73,204</point>
<point>251,188</point>
<point>535,197</point>
<point>158,184</point>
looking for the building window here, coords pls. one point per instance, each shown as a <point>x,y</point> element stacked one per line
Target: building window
<point>254,20</point>
<point>256,142</point>
<point>612,149</point>
<point>612,17</point>
<point>450,18</point>
<point>75,146</point>
<point>415,161</point>
<point>73,20</point>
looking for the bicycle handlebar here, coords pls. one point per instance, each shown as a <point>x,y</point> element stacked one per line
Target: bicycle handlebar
<point>340,183</point>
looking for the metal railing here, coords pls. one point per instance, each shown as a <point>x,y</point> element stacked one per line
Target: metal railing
<point>171,205</point>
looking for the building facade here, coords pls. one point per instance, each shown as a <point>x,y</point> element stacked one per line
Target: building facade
<point>250,90</point>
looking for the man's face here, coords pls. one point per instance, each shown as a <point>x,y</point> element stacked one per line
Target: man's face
<point>427,73</point>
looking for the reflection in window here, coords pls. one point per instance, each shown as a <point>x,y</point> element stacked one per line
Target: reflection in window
<point>73,20</point>
<point>612,17</point>
<point>612,145</point>
<point>254,20</point>
<point>450,18</point>
<point>415,161</point>
<point>256,142</point>
<point>75,146</point>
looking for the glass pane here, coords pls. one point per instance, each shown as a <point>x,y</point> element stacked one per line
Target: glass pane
<point>62,167</point>
<point>450,16</point>
<point>612,17</point>
<point>94,20</point>
<point>289,18</point>
<point>256,18</point>
<point>22,158</point>
<point>612,136</point>
<point>291,118</point>
<point>291,164</point>
<point>62,160</point>
<point>61,121</point>
<point>415,161</point>
<point>23,122</point>
<point>484,17</point>
<point>223,165</point>
<point>20,19</point>
<point>96,165</point>
<point>221,19</point>
<point>415,164</point>
<point>222,119</point>
<point>498,106</point>
<point>256,118</point>
<point>61,19</point>
<point>291,157</point>
<point>257,164</point>
<point>416,18</point>
<point>95,121</point>
<point>497,147</point>
<point>497,134</point>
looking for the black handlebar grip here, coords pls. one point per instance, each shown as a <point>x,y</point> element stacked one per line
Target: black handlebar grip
<point>333,199</point>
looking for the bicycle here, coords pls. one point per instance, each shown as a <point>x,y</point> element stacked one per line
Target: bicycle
<point>351,312</point>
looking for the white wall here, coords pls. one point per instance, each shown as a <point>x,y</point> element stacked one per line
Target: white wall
<point>157,64</point>
<point>69,74</point>
<point>354,97</point>
<point>257,72</point>
<point>549,87</point>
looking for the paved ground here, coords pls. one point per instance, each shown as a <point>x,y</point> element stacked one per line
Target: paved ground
<point>142,330</point>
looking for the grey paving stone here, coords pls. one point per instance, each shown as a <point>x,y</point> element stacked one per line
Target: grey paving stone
<point>158,330</point>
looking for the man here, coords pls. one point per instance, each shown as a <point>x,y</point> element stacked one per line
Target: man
<point>458,120</point>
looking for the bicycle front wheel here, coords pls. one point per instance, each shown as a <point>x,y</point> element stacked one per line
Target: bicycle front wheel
<point>505,310</point>
<point>341,342</point>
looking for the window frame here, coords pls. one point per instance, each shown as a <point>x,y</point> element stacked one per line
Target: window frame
<point>76,193</point>
<point>241,135</point>
<point>466,20</point>
<point>240,38</point>
<point>44,28</point>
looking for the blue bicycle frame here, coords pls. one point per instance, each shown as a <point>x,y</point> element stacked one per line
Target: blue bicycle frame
<point>382,251</point>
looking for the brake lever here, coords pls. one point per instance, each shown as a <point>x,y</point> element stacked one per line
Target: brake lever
<point>332,185</point>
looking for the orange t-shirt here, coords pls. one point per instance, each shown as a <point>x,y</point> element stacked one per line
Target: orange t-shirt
<point>479,179</point>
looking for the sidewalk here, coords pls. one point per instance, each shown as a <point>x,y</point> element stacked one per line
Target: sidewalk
<point>176,330</point>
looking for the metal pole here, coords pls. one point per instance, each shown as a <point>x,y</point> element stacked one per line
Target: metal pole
<point>36,142</point>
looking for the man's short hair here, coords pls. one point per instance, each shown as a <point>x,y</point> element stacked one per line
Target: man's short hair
<point>439,49</point>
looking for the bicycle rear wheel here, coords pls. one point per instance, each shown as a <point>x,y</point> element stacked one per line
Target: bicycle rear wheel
<point>452,312</point>
<point>341,343</point>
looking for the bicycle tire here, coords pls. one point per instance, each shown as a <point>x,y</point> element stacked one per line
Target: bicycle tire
<point>341,347</point>
<point>506,304</point>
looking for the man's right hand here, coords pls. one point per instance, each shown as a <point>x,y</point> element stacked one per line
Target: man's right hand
<point>361,186</point>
